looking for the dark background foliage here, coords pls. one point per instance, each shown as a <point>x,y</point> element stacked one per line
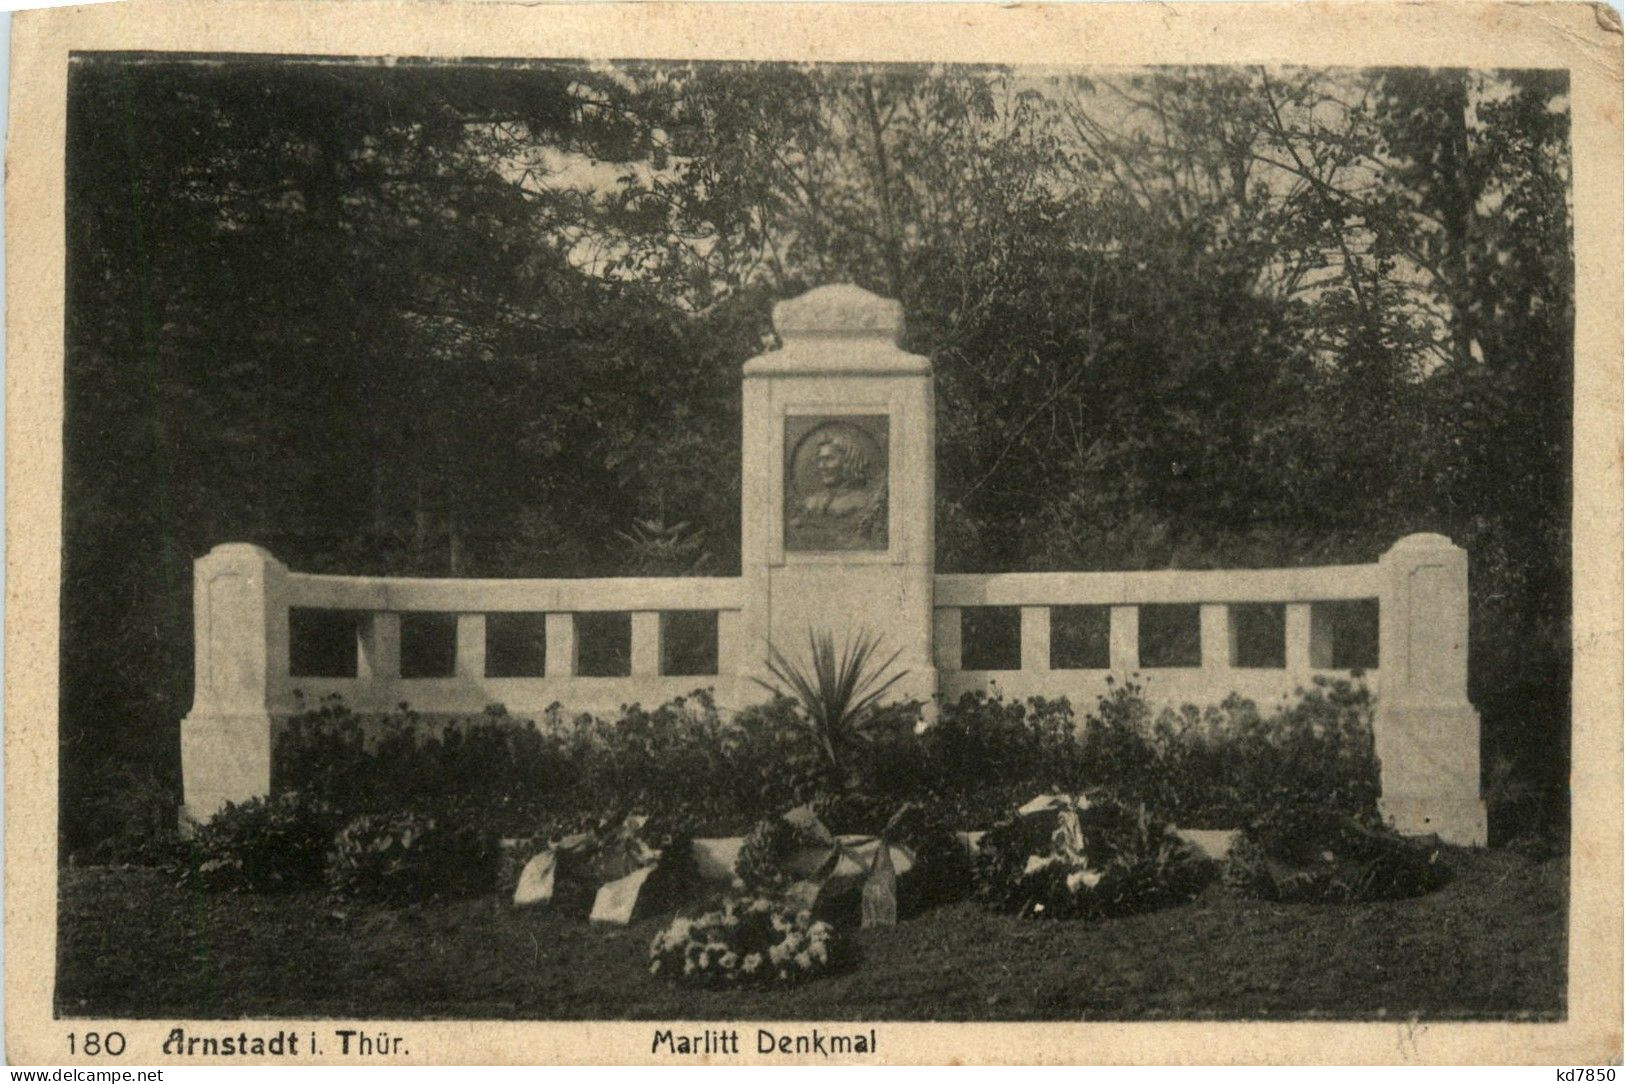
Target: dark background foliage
<point>376,319</point>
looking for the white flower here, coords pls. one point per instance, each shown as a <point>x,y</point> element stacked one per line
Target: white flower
<point>752,963</point>
<point>729,960</point>
<point>804,961</point>
<point>761,906</point>
<point>819,952</point>
<point>779,952</point>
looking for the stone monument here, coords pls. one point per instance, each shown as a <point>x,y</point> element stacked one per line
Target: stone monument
<point>838,475</point>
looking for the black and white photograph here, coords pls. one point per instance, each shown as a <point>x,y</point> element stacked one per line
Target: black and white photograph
<point>687,541</point>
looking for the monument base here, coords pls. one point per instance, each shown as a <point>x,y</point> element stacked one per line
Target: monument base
<point>1428,750</point>
<point>1454,818</point>
<point>225,757</point>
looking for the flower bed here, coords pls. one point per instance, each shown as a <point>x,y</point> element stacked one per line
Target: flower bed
<point>745,941</point>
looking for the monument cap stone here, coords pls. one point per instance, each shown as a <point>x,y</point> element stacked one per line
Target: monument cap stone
<point>838,329</point>
<point>839,310</point>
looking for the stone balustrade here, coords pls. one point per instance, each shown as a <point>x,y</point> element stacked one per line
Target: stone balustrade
<point>1261,633</point>
<point>1399,625</point>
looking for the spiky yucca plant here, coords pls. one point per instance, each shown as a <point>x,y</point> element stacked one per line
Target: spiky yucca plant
<point>839,696</point>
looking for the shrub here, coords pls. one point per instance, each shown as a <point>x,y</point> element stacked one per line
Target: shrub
<point>138,818</point>
<point>980,741</point>
<point>839,697</point>
<point>401,760</point>
<point>409,857</point>
<point>1086,859</point>
<point>262,845</point>
<point>1310,854</point>
<point>750,941</point>
<point>1221,765</point>
<point>1209,767</point>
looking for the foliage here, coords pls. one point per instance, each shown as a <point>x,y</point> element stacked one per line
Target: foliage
<point>1086,859</point>
<point>409,857</point>
<point>839,697</point>
<point>745,941</point>
<point>1309,854</point>
<point>660,549</point>
<point>1201,767</point>
<point>403,761</point>
<point>549,777</point>
<point>134,818</point>
<point>275,844</point>
<point>685,763</point>
<point>1220,765</point>
<point>981,740</point>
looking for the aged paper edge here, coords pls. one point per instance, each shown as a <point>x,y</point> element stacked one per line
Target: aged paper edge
<point>1579,37</point>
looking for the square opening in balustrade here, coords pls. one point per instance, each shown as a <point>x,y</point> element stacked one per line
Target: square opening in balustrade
<point>604,644</point>
<point>1258,635</point>
<point>990,638</point>
<point>688,642</point>
<point>1170,635</point>
<point>323,643</point>
<point>1080,637</point>
<point>1343,635</point>
<point>428,645</point>
<point>515,645</point>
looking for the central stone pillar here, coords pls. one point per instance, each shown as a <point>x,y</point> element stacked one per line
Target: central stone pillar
<point>839,502</point>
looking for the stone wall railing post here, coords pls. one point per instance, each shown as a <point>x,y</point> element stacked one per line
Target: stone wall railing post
<point>1035,636</point>
<point>471,646</point>
<point>378,654</point>
<point>1124,639</point>
<point>1217,646</point>
<point>240,629</point>
<point>1299,651</point>
<point>645,643</point>
<point>1425,731</point>
<point>561,645</point>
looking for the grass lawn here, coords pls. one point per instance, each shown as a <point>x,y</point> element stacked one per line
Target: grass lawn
<point>1489,944</point>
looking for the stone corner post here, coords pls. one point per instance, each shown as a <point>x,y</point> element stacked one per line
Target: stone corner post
<point>240,629</point>
<point>1425,730</point>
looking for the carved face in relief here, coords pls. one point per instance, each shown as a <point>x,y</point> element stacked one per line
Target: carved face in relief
<point>835,484</point>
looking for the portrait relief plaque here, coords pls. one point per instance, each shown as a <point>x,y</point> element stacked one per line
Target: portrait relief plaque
<point>835,475</point>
